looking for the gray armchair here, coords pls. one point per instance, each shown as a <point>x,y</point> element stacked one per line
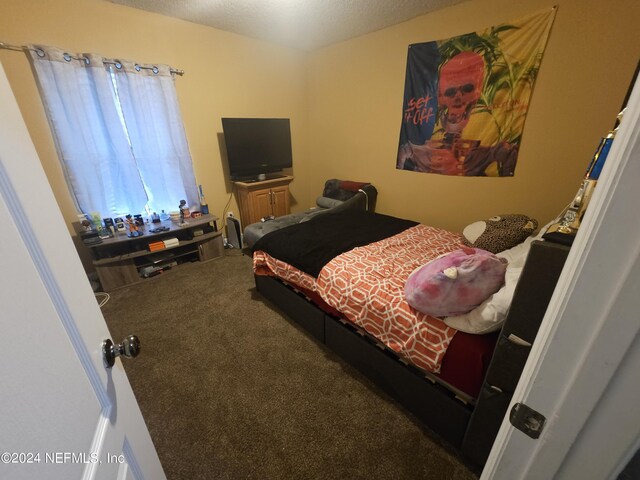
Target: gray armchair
<point>337,195</point>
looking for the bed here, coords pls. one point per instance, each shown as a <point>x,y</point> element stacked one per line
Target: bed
<point>342,277</point>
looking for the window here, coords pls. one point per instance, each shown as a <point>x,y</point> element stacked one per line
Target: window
<point>119,132</point>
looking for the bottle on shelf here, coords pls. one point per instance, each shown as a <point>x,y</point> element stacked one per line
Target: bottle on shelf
<point>184,211</point>
<point>204,208</point>
<point>566,229</point>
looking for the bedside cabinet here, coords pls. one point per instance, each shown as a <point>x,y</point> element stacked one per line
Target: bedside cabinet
<point>530,300</point>
<point>263,198</point>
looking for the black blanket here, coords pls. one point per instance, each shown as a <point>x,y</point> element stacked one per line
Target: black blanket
<point>310,245</point>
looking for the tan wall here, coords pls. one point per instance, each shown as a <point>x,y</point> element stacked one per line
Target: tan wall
<point>355,104</point>
<point>226,75</point>
<point>345,101</point>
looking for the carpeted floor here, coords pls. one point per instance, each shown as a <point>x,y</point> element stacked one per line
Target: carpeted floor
<point>230,389</point>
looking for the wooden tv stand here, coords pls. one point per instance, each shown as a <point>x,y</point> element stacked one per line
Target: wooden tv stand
<point>120,261</point>
<point>263,198</point>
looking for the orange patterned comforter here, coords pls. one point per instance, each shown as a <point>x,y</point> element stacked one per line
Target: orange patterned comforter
<point>366,285</point>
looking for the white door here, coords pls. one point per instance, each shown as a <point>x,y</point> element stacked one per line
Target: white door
<point>582,374</point>
<point>63,415</point>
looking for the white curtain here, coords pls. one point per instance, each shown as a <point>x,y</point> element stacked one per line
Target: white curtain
<point>154,123</point>
<point>90,138</point>
<point>121,143</point>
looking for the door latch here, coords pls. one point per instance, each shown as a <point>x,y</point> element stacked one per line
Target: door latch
<point>527,420</point>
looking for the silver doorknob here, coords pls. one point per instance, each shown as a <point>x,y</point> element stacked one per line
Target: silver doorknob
<point>130,348</point>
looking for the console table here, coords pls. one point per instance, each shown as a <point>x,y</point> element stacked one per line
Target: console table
<point>121,260</point>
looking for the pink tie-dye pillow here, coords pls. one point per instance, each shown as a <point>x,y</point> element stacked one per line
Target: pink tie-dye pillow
<point>455,283</point>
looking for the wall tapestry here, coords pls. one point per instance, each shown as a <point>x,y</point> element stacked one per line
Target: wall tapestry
<point>466,98</point>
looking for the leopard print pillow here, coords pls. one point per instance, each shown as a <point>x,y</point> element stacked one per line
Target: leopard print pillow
<point>499,233</point>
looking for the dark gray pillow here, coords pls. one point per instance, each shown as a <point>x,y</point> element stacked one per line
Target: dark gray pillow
<point>333,189</point>
<point>326,202</point>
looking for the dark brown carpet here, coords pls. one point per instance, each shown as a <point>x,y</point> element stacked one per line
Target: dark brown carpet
<point>230,389</point>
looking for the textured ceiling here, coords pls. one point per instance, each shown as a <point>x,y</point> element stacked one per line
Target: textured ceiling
<point>303,24</point>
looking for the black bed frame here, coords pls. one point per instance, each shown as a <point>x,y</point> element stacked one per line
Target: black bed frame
<point>470,427</point>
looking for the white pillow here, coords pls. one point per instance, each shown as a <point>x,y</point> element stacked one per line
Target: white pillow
<point>490,314</point>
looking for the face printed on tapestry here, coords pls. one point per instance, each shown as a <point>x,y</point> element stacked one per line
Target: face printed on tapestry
<point>459,88</point>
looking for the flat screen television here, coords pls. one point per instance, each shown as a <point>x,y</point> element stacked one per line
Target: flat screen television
<point>257,147</point>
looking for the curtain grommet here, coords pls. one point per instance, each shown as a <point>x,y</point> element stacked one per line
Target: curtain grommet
<point>66,57</point>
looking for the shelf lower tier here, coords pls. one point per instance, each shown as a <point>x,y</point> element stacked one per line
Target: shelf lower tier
<point>124,270</point>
